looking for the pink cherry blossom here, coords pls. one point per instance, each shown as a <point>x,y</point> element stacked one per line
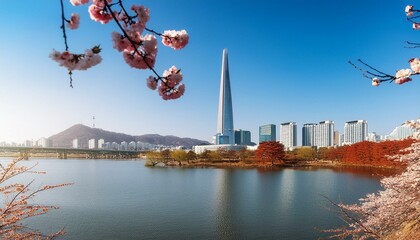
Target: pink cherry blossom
<point>175,39</point>
<point>72,61</point>
<point>402,76</point>
<point>78,2</point>
<point>375,82</point>
<point>173,76</point>
<point>143,16</point>
<point>98,14</point>
<point>415,65</point>
<point>74,21</point>
<point>416,26</point>
<point>409,10</point>
<point>150,44</point>
<point>120,42</point>
<point>137,61</point>
<point>151,82</point>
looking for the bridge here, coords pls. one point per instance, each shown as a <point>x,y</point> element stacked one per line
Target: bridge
<point>63,153</point>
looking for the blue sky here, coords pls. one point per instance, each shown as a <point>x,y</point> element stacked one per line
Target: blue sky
<point>288,62</point>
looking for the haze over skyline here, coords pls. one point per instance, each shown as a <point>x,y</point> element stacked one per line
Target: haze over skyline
<point>288,62</point>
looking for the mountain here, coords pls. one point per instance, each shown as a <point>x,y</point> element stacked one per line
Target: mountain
<point>84,133</point>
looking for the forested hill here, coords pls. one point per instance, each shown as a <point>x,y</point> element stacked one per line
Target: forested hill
<point>84,133</point>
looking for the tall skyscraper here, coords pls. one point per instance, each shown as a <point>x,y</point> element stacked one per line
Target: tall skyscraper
<point>267,133</point>
<point>288,134</point>
<point>355,131</point>
<point>308,134</point>
<point>225,131</point>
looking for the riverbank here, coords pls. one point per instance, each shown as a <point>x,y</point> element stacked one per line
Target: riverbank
<point>262,165</point>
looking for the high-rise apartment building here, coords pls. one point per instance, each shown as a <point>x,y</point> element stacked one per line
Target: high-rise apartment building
<point>225,131</point>
<point>324,134</point>
<point>44,142</point>
<point>373,137</point>
<point>101,143</point>
<point>92,143</point>
<point>308,134</point>
<point>242,137</point>
<point>355,131</point>
<point>288,135</point>
<point>401,132</point>
<point>75,143</point>
<point>267,133</point>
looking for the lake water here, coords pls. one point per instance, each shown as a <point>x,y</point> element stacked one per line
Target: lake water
<point>125,200</point>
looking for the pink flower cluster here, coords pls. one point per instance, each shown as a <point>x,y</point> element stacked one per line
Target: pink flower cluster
<point>170,87</point>
<point>402,76</point>
<point>138,50</point>
<point>98,11</point>
<point>73,61</point>
<point>175,39</point>
<point>74,21</point>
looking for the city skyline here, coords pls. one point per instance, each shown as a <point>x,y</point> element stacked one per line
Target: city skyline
<point>293,68</point>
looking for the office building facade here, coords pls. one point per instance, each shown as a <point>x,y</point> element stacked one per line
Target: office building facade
<point>308,134</point>
<point>242,137</point>
<point>267,133</point>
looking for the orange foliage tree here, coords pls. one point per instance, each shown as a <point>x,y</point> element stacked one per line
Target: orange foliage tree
<point>368,153</point>
<point>270,151</point>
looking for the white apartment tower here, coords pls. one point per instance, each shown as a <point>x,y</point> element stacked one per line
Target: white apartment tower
<point>355,131</point>
<point>324,134</point>
<point>75,143</point>
<point>101,143</point>
<point>288,135</point>
<point>92,143</point>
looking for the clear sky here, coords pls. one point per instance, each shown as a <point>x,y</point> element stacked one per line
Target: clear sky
<point>288,62</point>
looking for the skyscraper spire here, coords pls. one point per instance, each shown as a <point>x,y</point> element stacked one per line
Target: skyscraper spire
<point>225,130</point>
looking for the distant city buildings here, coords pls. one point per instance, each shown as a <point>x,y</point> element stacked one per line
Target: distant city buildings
<point>355,131</point>
<point>373,137</point>
<point>267,133</point>
<point>44,143</point>
<point>288,135</point>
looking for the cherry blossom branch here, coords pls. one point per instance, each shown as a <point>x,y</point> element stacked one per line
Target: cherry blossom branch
<point>402,76</point>
<point>132,42</point>
<point>351,218</point>
<point>63,27</point>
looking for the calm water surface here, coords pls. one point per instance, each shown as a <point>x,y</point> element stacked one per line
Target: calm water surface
<point>125,200</point>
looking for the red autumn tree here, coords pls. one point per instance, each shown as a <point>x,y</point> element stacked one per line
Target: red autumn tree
<point>270,151</point>
<point>368,153</point>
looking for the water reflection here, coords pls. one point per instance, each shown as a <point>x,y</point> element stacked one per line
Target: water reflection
<point>125,200</point>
